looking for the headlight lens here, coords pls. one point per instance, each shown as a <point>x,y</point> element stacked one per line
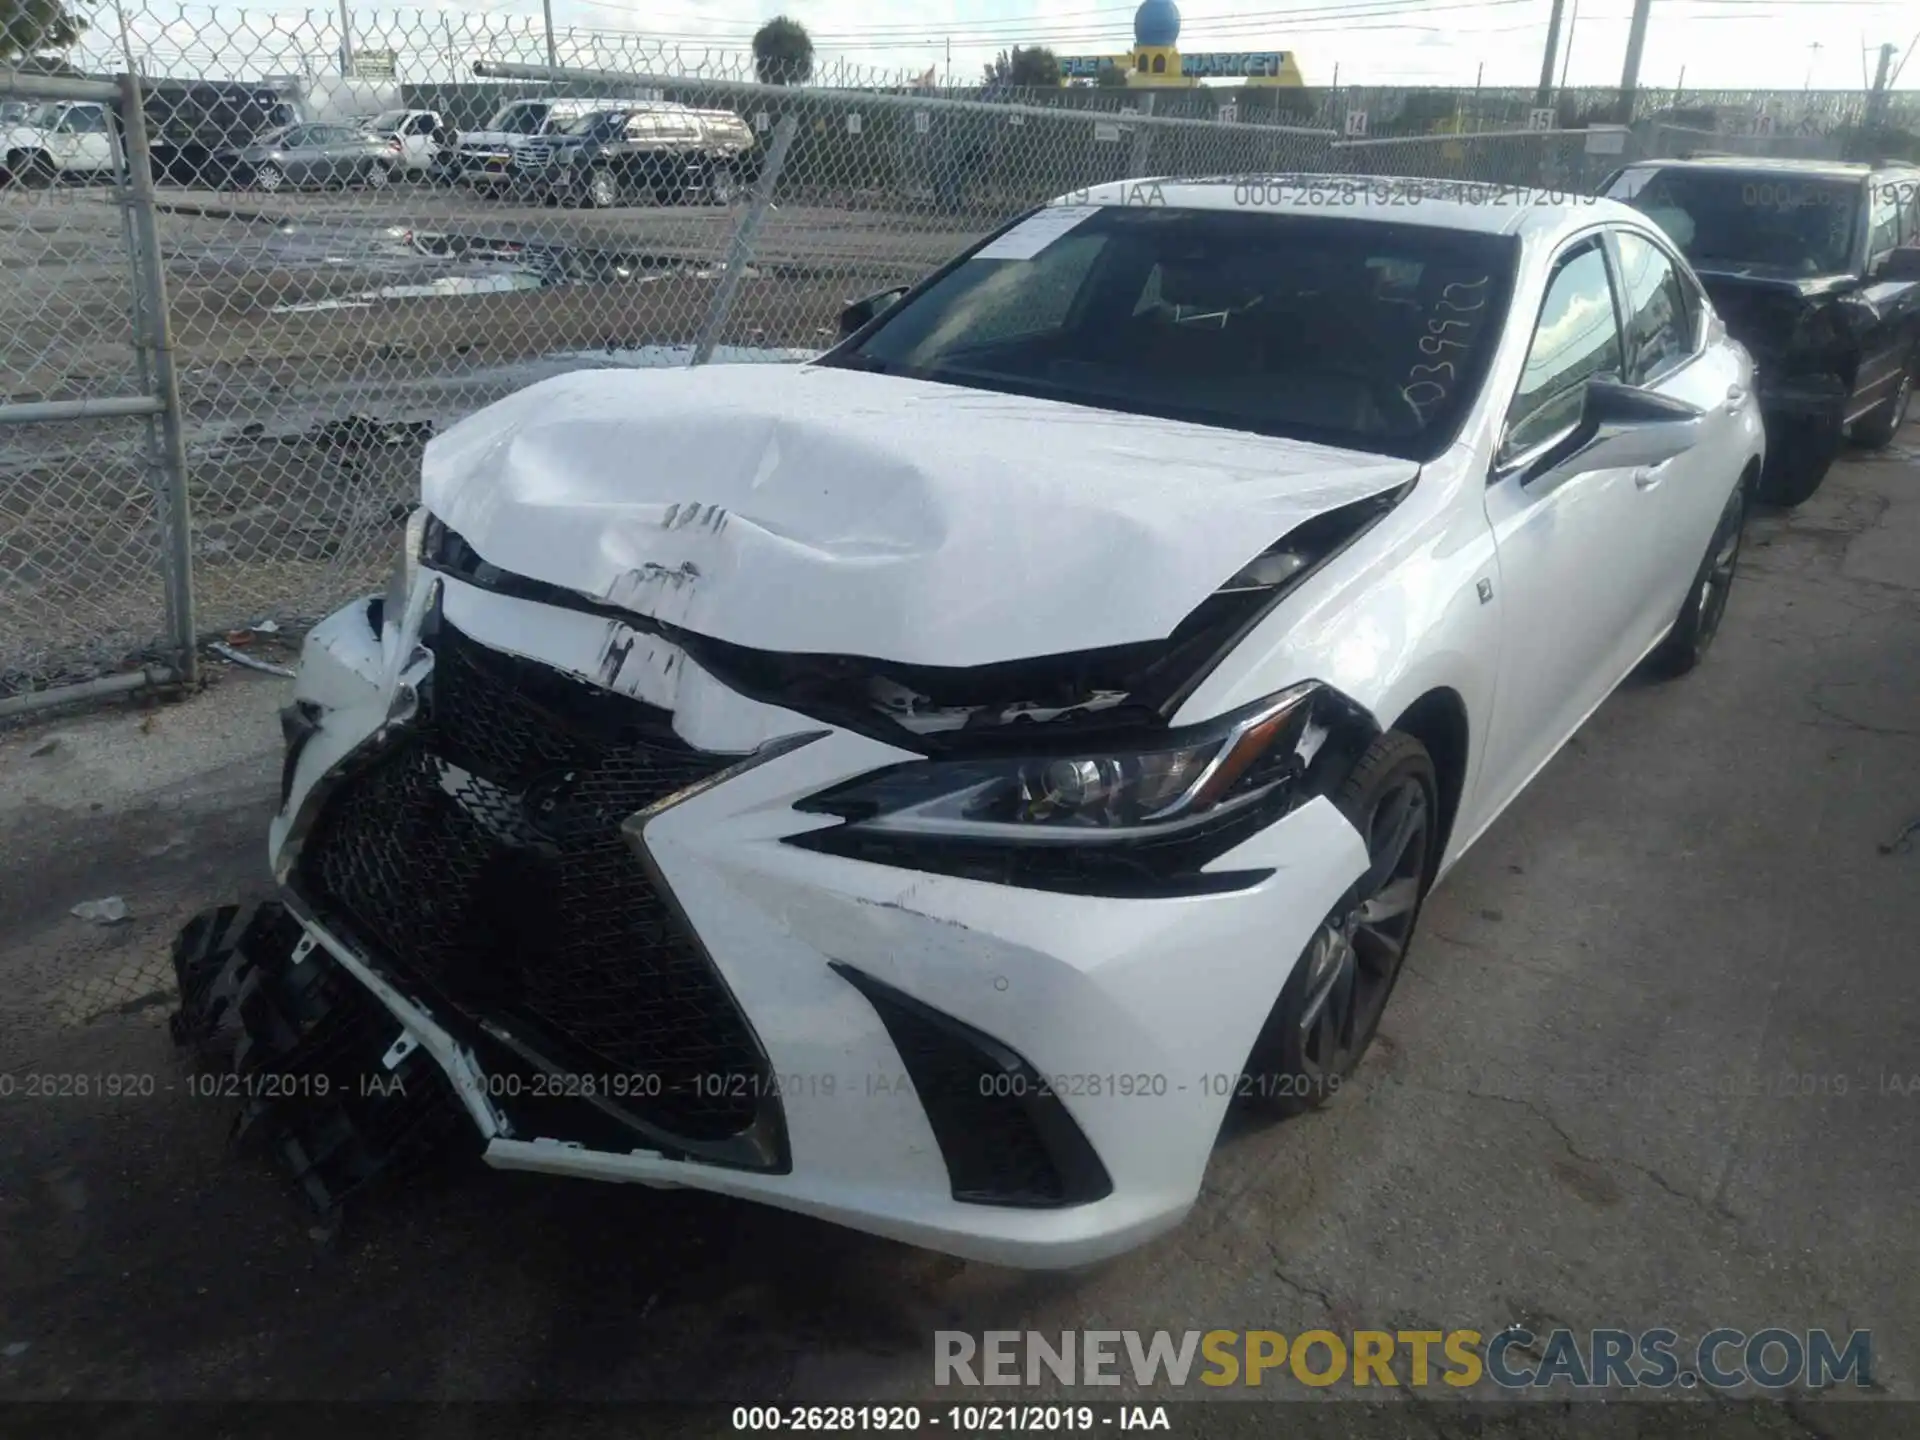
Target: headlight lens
<point>406,566</point>
<point>1196,775</point>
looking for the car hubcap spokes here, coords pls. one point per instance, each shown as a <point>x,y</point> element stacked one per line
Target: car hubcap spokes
<point>1356,955</point>
<point>1719,578</point>
<point>1326,1025</point>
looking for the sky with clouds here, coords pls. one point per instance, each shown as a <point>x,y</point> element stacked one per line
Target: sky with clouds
<point>1775,44</point>
<point>1730,43</point>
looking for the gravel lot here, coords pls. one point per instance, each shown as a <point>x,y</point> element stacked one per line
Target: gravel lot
<point>319,338</point>
<point>1578,1113</point>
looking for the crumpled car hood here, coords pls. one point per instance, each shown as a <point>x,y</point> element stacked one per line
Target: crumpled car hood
<point>814,510</point>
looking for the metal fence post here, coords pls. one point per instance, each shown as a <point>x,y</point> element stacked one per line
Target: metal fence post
<point>741,248</point>
<point>1142,140</point>
<point>170,457</point>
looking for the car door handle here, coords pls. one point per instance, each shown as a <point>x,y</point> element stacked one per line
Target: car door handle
<point>1735,394</point>
<point>1648,476</point>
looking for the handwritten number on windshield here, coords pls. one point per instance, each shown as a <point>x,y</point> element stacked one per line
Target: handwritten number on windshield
<point>1429,385</point>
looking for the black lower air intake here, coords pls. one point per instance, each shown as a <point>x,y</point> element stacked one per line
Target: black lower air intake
<point>1005,1137</point>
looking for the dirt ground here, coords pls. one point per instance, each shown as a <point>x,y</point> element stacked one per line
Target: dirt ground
<point>318,339</point>
<point>1654,1061</point>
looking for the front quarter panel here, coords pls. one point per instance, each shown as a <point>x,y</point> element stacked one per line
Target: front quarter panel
<point>1398,614</point>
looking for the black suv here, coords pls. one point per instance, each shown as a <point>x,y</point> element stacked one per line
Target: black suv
<point>1815,268</point>
<point>665,152</point>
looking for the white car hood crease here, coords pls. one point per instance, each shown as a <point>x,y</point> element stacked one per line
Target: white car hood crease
<point>807,509</point>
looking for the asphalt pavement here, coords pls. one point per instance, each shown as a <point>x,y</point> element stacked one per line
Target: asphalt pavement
<point>1655,1061</point>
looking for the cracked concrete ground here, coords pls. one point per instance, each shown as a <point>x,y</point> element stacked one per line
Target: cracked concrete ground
<point>1656,1061</point>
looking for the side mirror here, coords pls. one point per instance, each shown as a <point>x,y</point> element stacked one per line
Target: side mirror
<point>1621,427</point>
<point>859,313</point>
<point>1902,264</point>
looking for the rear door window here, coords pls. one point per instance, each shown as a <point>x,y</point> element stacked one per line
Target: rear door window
<point>1659,325</point>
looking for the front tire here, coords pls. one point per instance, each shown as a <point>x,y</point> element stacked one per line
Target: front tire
<point>35,171</point>
<point>1329,1010</point>
<point>1699,621</point>
<point>1876,429</point>
<point>379,176</point>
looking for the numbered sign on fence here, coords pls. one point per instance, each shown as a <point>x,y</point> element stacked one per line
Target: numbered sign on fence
<point>922,122</point>
<point>1106,132</point>
<point>1540,118</point>
<point>1229,114</point>
<point>762,121</point>
<point>1356,122</point>
<point>1016,120</point>
<point>853,124</point>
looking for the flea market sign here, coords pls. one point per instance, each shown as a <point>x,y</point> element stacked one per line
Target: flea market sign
<point>1213,66</point>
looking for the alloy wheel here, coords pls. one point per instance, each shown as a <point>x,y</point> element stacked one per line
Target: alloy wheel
<point>267,178</point>
<point>601,189</point>
<point>1717,583</point>
<point>1355,957</point>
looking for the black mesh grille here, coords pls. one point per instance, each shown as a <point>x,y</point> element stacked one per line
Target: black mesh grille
<point>1005,1138</point>
<point>485,859</point>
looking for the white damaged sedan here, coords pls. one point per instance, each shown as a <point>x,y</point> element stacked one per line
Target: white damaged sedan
<point>924,787</point>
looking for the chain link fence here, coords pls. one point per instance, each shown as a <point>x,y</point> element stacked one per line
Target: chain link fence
<point>369,234</point>
<point>93,519</point>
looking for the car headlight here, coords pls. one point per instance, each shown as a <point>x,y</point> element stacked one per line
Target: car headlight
<point>406,567</point>
<point>1092,798</point>
<point>1119,819</point>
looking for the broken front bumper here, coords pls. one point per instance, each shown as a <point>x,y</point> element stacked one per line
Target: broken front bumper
<point>1019,1076</point>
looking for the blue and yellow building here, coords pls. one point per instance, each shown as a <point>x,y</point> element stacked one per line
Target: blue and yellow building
<point>1156,62</point>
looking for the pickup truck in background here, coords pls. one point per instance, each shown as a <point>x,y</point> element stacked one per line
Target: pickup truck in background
<point>61,140</point>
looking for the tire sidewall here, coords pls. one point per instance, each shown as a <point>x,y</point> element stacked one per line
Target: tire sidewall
<point>1275,1065</point>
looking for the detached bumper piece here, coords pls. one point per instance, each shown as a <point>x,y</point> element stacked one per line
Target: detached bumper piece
<point>1006,1138</point>
<point>304,1049</point>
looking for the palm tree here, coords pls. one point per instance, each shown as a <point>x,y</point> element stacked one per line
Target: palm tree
<point>28,27</point>
<point>783,52</point>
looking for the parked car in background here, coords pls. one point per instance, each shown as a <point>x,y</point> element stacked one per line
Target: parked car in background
<point>425,139</point>
<point>487,155</point>
<point>189,123</point>
<point>1815,267</point>
<point>310,156</point>
<point>660,152</point>
<point>59,141</point>
<point>926,787</point>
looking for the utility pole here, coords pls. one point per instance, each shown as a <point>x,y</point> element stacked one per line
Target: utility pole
<point>553,56</point>
<point>1630,75</point>
<point>1566,51</point>
<point>346,40</point>
<point>1813,57</point>
<point>1877,100</point>
<point>1544,95</point>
